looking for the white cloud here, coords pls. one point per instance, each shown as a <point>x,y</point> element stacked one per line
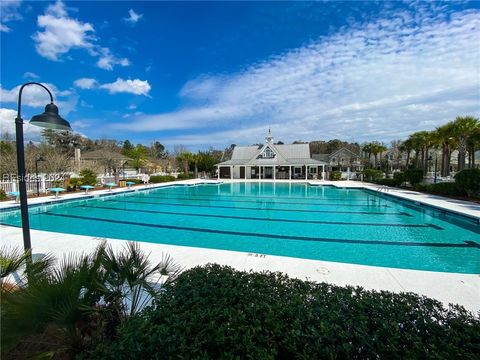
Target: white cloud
<point>9,11</point>
<point>133,17</point>
<point>377,80</point>
<point>30,75</point>
<point>85,83</point>
<point>7,125</point>
<point>60,33</point>
<point>36,97</point>
<point>107,60</point>
<point>136,86</point>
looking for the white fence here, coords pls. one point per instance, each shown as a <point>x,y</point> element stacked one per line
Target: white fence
<point>43,185</point>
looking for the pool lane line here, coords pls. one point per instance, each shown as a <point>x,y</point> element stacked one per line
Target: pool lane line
<point>253,201</point>
<point>260,209</point>
<point>265,219</point>
<point>279,196</point>
<point>467,244</point>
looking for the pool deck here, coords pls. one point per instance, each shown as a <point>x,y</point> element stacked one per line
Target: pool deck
<point>463,289</point>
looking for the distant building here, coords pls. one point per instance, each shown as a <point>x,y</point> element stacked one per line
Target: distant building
<point>271,161</point>
<point>343,160</point>
<point>102,161</point>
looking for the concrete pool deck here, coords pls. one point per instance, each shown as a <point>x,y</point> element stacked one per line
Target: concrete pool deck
<point>463,289</point>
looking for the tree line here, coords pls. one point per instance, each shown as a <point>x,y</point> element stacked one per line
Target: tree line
<point>57,150</point>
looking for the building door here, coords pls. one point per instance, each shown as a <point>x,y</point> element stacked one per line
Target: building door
<point>225,172</point>
<point>268,172</point>
<point>242,172</point>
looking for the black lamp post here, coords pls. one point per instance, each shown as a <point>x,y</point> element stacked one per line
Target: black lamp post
<point>49,119</point>
<point>37,160</point>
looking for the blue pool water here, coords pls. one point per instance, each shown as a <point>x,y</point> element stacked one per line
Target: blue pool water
<point>297,220</point>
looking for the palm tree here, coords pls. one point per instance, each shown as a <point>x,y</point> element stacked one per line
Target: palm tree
<point>367,149</point>
<point>85,297</point>
<point>473,145</point>
<point>407,146</point>
<point>445,137</point>
<point>185,158</point>
<point>377,148</point>
<point>421,142</point>
<point>464,127</point>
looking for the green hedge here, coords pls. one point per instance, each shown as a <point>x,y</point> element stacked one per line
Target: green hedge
<point>160,178</point>
<point>388,182</point>
<point>215,312</point>
<point>372,174</point>
<point>183,176</point>
<point>136,181</point>
<point>414,176</point>
<point>3,195</point>
<point>336,175</point>
<point>469,181</point>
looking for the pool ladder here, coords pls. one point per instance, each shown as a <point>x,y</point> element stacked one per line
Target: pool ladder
<point>383,188</point>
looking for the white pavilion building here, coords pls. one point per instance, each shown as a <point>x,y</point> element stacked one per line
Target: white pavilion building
<point>271,161</point>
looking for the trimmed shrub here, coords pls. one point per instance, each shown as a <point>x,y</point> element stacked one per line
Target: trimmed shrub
<point>399,177</point>
<point>468,180</point>
<point>159,179</point>
<point>184,176</point>
<point>136,181</point>
<point>89,177</point>
<point>73,183</point>
<point>336,175</point>
<point>372,174</point>
<point>387,182</point>
<point>414,176</point>
<point>3,195</point>
<point>447,189</point>
<point>215,312</point>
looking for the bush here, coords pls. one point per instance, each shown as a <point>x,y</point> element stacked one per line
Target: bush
<point>73,183</point>
<point>81,299</point>
<point>136,181</point>
<point>183,176</point>
<point>414,176</point>
<point>387,182</point>
<point>336,175</point>
<point>89,177</point>
<point>468,180</point>
<point>159,179</point>
<point>216,312</point>
<point>3,195</point>
<point>447,189</point>
<point>399,177</point>
<point>372,174</point>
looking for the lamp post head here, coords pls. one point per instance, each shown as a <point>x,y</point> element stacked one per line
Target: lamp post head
<point>50,119</point>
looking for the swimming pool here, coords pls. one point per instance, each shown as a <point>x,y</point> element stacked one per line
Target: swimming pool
<point>287,219</point>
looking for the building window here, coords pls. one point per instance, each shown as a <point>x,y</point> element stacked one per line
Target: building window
<point>267,154</point>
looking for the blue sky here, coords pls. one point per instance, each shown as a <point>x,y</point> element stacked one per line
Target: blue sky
<point>206,74</point>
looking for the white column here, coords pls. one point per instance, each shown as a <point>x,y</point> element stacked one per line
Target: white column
<point>306,172</point>
<point>231,172</point>
<point>43,187</point>
<point>348,173</point>
<point>246,172</point>
<point>274,171</point>
<point>260,168</point>
<point>323,172</point>
<point>289,172</point>
<point>218,173</point>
